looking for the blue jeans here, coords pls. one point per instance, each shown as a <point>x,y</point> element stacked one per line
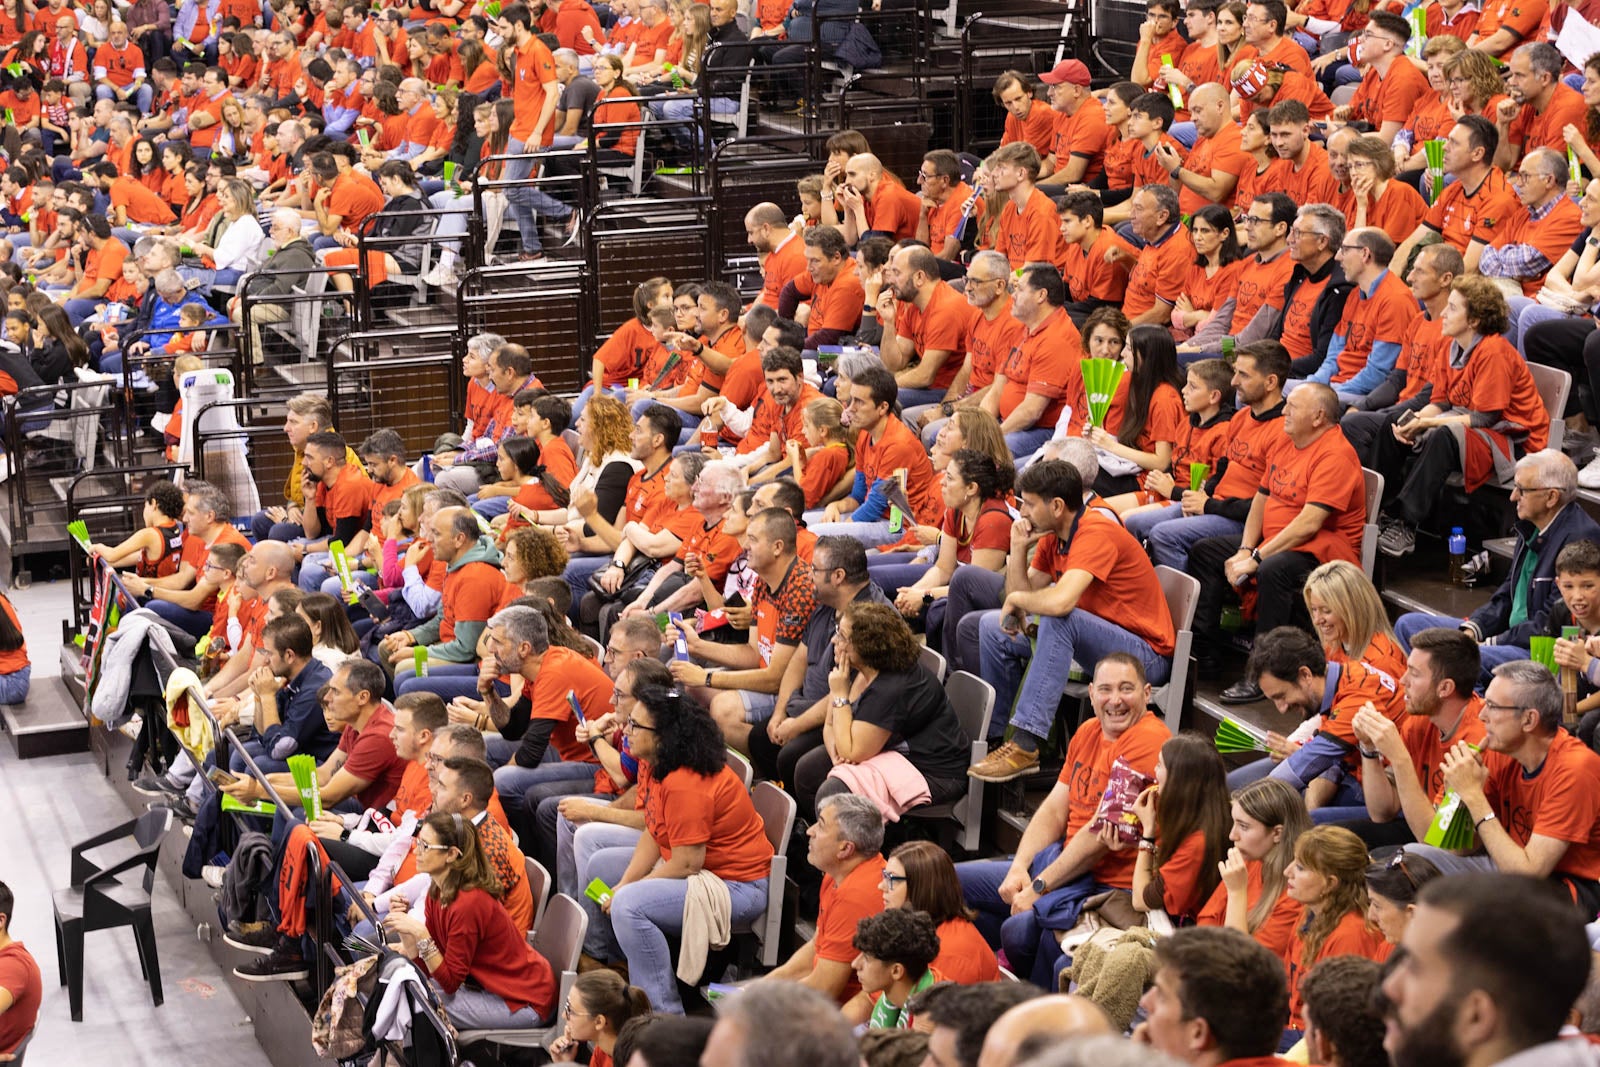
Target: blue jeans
<point>448,680</point>
<point>520,197</point>
<point>1041,668</point>
<point>615,391</point>
<point>197,623</point>
<point>141,96</point>
<point>512,781</point>
<point>910,398</point>
<point>14,686</point>
<point>315,569</point>
<point>1028,938</point>
<point>478,1009</point>
<point>893,577</point>
<point>1412,623</point>
<point>576,845</point>
<point>645,913</point>
<point>492,506</point>
<point>1024,443</point>
<point>1170,540</point>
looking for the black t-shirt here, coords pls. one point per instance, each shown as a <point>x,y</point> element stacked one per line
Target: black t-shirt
<point>817,638</point>
<point>922,725</point>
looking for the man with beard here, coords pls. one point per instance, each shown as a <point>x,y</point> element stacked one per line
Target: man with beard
<point>925,325</point>
<point>340,495</point>
<point>767,228</point>
<point>1401,770</point>
<point>1487,971</point>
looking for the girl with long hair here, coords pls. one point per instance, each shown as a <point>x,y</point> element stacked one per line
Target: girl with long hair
<point>534,490</point>
<point>625,354</point>
<point>1213,276</point>
<point>598,1006</point>
<point>334,639</point>
<point>1230,32</point>
<point>1268,818</point>
<point>829,452</point>
<point>54,322</point>
<point>1183,823</point>
<point>1152,415</point>
<point>698,816</point>
<point>1255,140</point>
<point>1328,878</point>
<point>175,157</point>
<point>144,163</point>
<point>921,876</point>
<point>1121,150</point>
<point>469,935</point>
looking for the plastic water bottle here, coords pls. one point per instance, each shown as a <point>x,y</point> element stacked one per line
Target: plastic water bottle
<point>1458,555</point>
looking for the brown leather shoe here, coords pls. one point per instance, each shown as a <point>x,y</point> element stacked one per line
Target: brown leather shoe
<point>1005,763</point>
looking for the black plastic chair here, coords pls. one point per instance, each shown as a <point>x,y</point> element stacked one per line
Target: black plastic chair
<point>96,900</point>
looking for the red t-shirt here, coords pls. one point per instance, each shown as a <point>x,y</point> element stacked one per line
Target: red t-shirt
<point>990,344</point>
<point>991,531</point>
<point>964,956</point>
<point>1561,800</point>
<point>940,327</point>
<point>1044,362</point>
<point>562,670</point>
<point>1160,273</point>
<point>1180,878</point>
<point>370,754</point>
<point>1352,937</point>
<point>1427,747</point>
<point>471,594</point>
<point>19,976</point>
<point>1278,928</point>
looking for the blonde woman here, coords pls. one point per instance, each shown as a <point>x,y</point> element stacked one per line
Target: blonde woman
<point>1268,818</point>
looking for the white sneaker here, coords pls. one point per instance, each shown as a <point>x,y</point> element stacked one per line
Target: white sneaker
<point>211,875</point>
<point>441,276</point>
<point>1589,477</point>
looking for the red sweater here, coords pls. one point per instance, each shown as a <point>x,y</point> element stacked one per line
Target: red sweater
<point>479,941</point>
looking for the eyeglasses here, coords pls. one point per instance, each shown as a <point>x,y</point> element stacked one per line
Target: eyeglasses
<point>634,724</point>
<point>1524,490</point>
<point>1492,706</point>
<point>1252,220</point>
<point>1351,248</point>
<point>418,842</point>
<point>891,879</point>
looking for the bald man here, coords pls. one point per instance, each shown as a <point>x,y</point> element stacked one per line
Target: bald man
<point>1213,166</point>
<point>782,253</point>
<point>1052,1018</point>
<point>872,200</point>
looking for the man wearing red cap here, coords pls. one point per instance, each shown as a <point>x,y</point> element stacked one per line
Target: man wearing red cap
<point>1078,151</point>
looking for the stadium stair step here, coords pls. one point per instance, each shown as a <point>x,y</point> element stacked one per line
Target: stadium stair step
<point>49,723</point>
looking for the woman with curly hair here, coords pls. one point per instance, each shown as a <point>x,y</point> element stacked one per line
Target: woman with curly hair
<point>468,935</point>
<point>608,463</point>
<point>884,706</point>
<point>1328,878</point>
<point>531,553</point>
<point>698,818</point>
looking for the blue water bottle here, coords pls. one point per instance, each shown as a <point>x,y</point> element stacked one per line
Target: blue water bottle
<point>1458,555</point>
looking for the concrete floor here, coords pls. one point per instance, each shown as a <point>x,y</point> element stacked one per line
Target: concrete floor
<point>51,803</point>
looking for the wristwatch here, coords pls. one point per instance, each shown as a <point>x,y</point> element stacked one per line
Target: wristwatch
<point>1039,886</point>
<point>1255,554</point>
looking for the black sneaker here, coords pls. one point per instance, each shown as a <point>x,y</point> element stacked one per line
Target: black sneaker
<point>283,964</point>
<point>259,938</point>
<point>156,785</point>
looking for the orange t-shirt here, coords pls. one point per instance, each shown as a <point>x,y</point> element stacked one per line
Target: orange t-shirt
<point>1261,282</point>
<point>943,220</point>
<point>1087,768</point>
<point>964,956</point>
<point>687,809</point>
<point>823,470</point>
<point>1542,129</point>
<point>843,906</point>
<point>1220,152</point>
<point>1045,361</point>
<point>625,353</point>
<point>1560,800</point>
<point>103,264</point>
<point>783,265</point>
<point>1552,235</point>
<point>1084,134</point>
<point>1352,937</point>
<point>1327,472</point>
<point>1161,270</point>
<point>1180,878</point>
<point>1311,182</point>
<point>711,544</point>
<point>535,69</point>
<point>1032,235</point>
<point>1496,378</point>
<point>942,326</point>
<point>471,593</point>
<point>1460,215</point>
<point>898,447</point>
<point>991,342</point>
<point>1089,276</point>
<point>1427,747</point>
<point>141,204</point>
<point>1273,934</point>
<point>837,305</point>
<point>1361,683</point>
<point>893,210</point>
<point>1391,97</point>
<point>1038,129</point>
<point>647,499</point>
<point>1385,315</point>
<point>119,64</point>
<point>1397,212</point>
<point>354,197</point>
<point>562,670</point>
<point>349,496</point>
<point>1521,17</point>
<point>1125,592</point>
<point>770,418</point>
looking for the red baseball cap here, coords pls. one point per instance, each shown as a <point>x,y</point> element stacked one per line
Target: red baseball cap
<point>1252,82</point>
<point>1069,71</point>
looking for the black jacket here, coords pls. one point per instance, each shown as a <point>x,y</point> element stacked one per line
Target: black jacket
<point>1325,314</point>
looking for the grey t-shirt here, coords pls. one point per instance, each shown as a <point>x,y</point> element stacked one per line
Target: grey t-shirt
<point>817,639</point>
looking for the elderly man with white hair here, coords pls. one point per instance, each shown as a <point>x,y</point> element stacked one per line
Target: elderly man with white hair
<point>291,263</point>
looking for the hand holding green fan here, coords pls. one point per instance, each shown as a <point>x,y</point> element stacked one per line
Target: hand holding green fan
<point>1100,380</point>
<point>1234,736</point>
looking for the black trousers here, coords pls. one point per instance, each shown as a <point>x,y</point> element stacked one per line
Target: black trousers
<point>1573,344</point>
<point>1361,429</point>
<point>1436,458</point>
<point>779,762</point>
<point>1278,602</point>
